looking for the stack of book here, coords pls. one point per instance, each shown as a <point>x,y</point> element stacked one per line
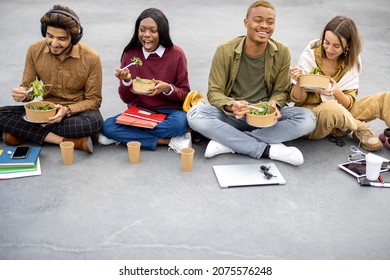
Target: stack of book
<point>136,116</point>
<point>19,167</point>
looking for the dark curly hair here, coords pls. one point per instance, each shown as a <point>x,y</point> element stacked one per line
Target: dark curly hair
<point>62,21</point>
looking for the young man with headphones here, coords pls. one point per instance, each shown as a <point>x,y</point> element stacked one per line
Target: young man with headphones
<point>74,71</point>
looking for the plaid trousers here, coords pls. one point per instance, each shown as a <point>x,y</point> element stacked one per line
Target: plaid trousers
<point>84,124</point>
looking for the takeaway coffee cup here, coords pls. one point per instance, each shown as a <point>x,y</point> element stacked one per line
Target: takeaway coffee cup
<point>134,150</point>
<point>187,157</point>
<point>67,152</point>
<point>373,166</point>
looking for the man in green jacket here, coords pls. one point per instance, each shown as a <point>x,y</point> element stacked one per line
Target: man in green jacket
<point>246,70</point>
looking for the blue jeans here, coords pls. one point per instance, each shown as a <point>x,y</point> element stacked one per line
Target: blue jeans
<point>174,125</point>
<point>245,139</point>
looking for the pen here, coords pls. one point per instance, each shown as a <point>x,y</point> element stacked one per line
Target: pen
<point>381,179</point>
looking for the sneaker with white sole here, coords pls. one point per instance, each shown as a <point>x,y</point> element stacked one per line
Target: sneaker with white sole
<point>286,154</point>
<point>214,148</point>
<point>106,141</point>
<point>179,142</point>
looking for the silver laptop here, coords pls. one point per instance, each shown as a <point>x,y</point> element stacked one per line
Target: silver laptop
<point>247,175</point>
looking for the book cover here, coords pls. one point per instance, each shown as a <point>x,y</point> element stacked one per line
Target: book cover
<point>127,120</point>
<point>33,171</point>
<point>145,114</point>
<point>6,159</point>
<point>15,169</point>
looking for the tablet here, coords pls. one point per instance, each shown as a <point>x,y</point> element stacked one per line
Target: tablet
<point>357,168</point>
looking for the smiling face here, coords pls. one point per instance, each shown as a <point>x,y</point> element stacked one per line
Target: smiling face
<point>148,34</point>
<point>332,45</point>
<point>58,40</point>
<point>260,24</point>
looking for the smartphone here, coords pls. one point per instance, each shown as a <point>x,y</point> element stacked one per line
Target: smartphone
<point>21,152</point>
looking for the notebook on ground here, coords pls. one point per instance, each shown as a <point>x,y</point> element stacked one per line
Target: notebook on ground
<point>247,175</point>
<point>18,172</point>
<point>6,159</point>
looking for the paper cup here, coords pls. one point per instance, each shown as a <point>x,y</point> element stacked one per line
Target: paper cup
<point>373,166</point>
<point>187,157</point>
<point>134,150</point>
<point>67,152</point>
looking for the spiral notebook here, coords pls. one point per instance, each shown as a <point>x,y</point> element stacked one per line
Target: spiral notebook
<point>247,175</point>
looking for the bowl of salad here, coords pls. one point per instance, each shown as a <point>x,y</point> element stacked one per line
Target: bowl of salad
<point>143,86</point>
<point>261,115</point>
<point>314,81</point>
<point>39,111</point>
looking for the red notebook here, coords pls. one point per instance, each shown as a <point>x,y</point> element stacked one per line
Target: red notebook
<point>145,114</point>
<point>127,120</point>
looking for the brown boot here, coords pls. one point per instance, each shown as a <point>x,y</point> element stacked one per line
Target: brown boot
<point>367,138</point>
<point>12,140</point>
<point>84,143</point>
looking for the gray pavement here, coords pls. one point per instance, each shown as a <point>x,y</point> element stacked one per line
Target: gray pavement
<point>101,207</point>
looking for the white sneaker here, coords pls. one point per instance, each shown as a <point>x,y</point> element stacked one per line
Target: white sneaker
<point>286,154</point>
<point>214,148</point>
<point>179,142</point>
<point>106,141</point>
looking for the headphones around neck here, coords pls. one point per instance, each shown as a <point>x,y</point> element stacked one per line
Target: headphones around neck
<point>76,38</point>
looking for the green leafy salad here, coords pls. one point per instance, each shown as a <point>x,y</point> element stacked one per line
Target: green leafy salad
<point>40,108</point>
<point>315,70</point>
<point>137,61</point>
<point>37,88</point>
<point>263,109</point>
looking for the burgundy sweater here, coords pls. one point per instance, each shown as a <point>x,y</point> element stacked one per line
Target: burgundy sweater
<point>170,68</point>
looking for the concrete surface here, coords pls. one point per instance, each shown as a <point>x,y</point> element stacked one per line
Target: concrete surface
<point>102,207</point>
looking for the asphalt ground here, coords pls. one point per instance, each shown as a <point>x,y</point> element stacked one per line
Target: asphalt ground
<point>102,207</point>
